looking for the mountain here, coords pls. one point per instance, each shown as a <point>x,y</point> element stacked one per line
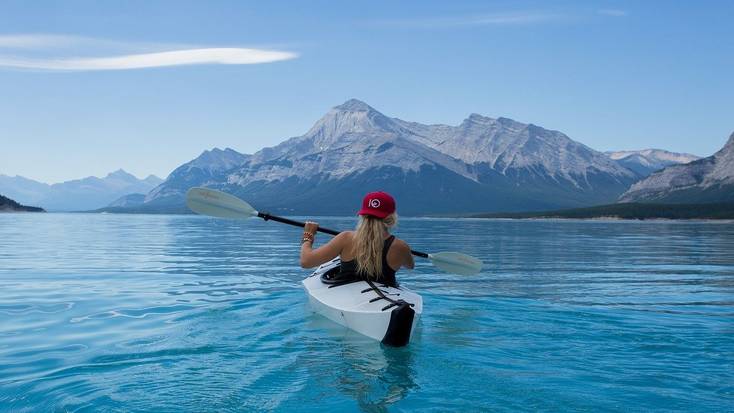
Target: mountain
<point>8,205</point>
<point>76,195</point>
<point>647,161</point>
<point>26,190</point>
<point>208,169</point>
<point>483,164</point>
<point>152,180</point>
<point>129,200</point>
<point>708,179</point>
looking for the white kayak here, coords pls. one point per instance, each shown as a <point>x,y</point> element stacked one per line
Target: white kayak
<point>387,314</point>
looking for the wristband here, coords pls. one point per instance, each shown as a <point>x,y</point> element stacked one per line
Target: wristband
<point>307,237</point>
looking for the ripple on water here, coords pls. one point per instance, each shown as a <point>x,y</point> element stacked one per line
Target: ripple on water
<point>176,313</point>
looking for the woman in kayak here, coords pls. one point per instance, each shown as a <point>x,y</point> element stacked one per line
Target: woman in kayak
<point>369,251</point>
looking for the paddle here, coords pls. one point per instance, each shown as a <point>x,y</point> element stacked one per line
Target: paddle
<point>219,204</point>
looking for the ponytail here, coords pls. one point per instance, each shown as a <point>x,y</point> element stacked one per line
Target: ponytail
<point>369,243</point>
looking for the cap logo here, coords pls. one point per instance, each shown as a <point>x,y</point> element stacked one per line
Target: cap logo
<point>374,203</point>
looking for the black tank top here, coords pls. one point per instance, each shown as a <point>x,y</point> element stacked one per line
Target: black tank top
<point>388,274</point>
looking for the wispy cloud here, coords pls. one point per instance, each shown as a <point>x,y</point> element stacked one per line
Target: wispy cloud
<point>513,18</point>
<point>612,12</point>
<point>225,56</point>
<point>76,53</point>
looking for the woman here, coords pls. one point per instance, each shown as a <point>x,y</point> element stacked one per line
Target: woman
<point>367,252</point>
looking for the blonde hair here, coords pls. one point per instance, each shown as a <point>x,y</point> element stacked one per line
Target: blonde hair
<point>368,243</point>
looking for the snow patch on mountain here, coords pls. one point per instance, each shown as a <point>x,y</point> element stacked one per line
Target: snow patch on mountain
<point>647,161</point>
<point>655,155</point>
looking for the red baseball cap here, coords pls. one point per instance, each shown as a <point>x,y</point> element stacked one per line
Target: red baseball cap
<point>377,204</point>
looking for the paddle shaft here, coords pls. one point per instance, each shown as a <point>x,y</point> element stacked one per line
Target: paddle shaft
<point>267,217</point>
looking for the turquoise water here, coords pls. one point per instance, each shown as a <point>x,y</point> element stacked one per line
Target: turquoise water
<point>113,313</point>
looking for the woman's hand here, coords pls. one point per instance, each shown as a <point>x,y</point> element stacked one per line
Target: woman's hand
<point>309,234</point>
<point>311,227</point>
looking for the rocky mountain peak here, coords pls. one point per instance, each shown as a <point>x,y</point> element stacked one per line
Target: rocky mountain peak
<point>476,120</point>
<point>351,118</point>
<point>513,124</point>
<point>475,117</point>
<point>217,159</point>
<point>153,180</point>
<point>216,152</point>
<point>120,174</point>
<point>654,155</point>
<point>708,179</point>
<point>354,105</point>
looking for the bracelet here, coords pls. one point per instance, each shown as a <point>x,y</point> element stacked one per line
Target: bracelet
<point>307,237</point>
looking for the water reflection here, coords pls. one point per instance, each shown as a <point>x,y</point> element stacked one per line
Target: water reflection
<point>373,375</point>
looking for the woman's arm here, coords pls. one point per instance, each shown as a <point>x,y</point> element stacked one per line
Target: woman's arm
<point>313,257</point>
<point>405,254</point>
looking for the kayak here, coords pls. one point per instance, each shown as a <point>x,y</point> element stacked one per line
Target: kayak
<point>386,314</point>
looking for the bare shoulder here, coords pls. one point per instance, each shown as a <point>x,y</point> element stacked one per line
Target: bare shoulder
<point>401,245</point>
<point>344,237</point>
<point>402,249</point>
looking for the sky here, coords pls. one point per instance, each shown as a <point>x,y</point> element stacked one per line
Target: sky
<point>87,87</point>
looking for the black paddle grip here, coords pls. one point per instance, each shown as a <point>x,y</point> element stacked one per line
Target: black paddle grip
<point>267,217</point>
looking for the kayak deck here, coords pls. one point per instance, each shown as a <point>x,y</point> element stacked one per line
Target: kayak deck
<point>388,316</point>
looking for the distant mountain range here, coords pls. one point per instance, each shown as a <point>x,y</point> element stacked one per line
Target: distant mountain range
<point>9,205</point>
<point>483,164</point>
<point>708,179</point>
<point>76,195</point>
<point>647,161</point>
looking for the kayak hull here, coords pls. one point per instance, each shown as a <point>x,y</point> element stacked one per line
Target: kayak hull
<point>358,307</point>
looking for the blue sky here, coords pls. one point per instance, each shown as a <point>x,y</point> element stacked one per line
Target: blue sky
<point>89,86</point>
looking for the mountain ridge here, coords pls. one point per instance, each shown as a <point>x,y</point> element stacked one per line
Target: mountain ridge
<point>481,164</point>
<point>647,161</point>
<point>709,179</point>
<point>78,194</point>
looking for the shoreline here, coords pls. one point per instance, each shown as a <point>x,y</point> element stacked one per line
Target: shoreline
<point>600,219</point>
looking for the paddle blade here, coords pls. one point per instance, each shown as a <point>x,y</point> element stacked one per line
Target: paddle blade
<point>456,263</point>
<point>206,201</point>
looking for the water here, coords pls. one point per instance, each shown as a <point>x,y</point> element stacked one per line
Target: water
<point>128,313</point>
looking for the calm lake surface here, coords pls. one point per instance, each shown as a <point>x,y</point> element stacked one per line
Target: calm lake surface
<point>133,313</point>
